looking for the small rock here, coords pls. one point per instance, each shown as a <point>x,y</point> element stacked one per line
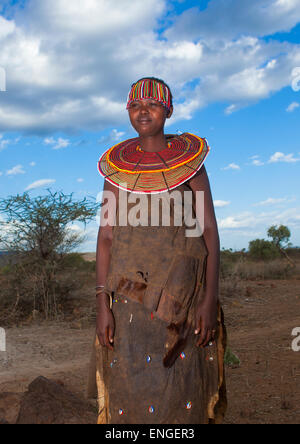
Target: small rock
<point>47,402</point>
<point>9,407</point>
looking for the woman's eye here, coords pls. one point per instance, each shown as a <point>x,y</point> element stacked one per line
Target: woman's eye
<point>134,106</point>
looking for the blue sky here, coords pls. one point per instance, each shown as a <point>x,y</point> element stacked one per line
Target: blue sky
<point>234,69</point>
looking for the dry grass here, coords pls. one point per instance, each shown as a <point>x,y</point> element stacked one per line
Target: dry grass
<point>276,269</point>
<point>251,270</point>
<point>235,274</point>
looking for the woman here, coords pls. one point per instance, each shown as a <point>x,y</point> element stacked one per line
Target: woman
<point>160,330</point>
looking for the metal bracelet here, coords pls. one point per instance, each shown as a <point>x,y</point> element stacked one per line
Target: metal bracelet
<point>100,292</point>
<point>108,294</point>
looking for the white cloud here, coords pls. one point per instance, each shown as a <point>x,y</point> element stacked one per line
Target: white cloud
<point>290,217</point>
<point>257,162</point>
<point>292,107</point>
<point>232,166</point>
<point>18,169</point>
<point>271,201</point>
<point>231,109</point>
<point>232,18</point>
<point>6,27</point>
<point>117,135</point>
<point>57,144</point>
<point>90,233</point>
<point>281,157</point>
<point>254,221</point>
<point>49,141</point>
<point>114,137</point>
<point>240,221</point>
<point>80,180</point>
<point>97,16</point>
<point>40,183</point>
<point>32,164</point>
<point>70,64</point>
<point>221,203</point>
<point>3,142</point>
<point>188,51</point>
<point>77,228</point>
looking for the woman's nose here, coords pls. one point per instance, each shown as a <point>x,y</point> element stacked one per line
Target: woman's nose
<point>144,109</point>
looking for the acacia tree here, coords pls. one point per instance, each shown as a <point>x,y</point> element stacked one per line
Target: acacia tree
<point>280,238</point>
<point>280,235</point>
<point>37,231</point>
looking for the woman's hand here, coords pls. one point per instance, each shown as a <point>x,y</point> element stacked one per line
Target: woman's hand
<point>206,322</point>
<point>105,323</point>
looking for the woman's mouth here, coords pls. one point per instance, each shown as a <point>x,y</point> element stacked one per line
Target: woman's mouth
<point>144,121</point>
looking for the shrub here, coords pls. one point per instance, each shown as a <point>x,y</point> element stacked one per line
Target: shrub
<point>262,249</point>
<point>36,231</point>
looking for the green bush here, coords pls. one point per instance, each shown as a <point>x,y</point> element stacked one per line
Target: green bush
<point>77,262</point>
<point>73,260</point>
<point>230,359</point>
<point>261,249</point>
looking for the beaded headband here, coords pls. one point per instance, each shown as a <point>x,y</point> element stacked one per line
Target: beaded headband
<point>150,89</point>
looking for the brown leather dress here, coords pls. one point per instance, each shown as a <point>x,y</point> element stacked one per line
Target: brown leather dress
<point>156,374</point>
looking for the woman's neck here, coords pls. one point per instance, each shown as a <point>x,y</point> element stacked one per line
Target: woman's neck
<point>153,144</point>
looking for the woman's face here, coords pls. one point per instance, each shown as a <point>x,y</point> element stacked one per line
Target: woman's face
<point>148,116</point>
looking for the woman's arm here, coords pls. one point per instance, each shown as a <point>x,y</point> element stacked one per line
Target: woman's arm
<point>105,324</point>
<point>207,310</point>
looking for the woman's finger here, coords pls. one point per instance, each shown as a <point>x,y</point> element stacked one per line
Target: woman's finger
<point>213,333</point>
<point>111,334</point>
<point>198,326</point>
<point>107,342</point>
<point>207,338</point>
<point>202,337</point>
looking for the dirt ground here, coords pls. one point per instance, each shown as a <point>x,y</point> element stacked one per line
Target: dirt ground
<point>265,389</point>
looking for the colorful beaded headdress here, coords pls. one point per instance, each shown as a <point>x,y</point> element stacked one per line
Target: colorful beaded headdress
<point>150,89</point>
<point>130,168</point>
